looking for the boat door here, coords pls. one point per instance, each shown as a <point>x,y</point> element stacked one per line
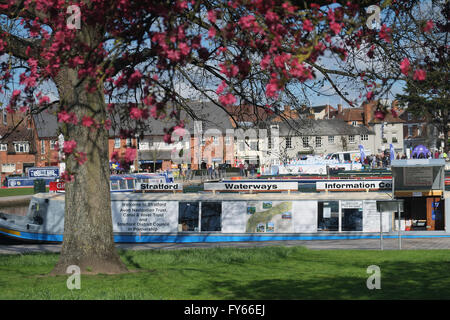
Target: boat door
<point>435,213</point>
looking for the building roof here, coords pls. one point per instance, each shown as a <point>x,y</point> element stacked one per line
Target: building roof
<point>46,124</point>
<point>311,127</point>
<point>208,113</point>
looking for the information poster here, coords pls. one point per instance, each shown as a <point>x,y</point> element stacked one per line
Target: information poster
<point>418,176</point>
<point>270,216</point>
<point>145,216</point>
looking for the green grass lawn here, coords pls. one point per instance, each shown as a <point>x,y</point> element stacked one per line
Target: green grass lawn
<point>230,273</point>
<point>16,192</point>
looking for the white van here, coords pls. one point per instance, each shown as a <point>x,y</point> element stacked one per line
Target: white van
<point>346,156</point>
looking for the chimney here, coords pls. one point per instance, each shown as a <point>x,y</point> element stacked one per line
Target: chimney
<point>367,109</point>
<point>339,108</point>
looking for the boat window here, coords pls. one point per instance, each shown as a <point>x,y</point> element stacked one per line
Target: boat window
<point>115,185</point>
<point>130,184</point>
<point>188,213</point>
<point>352,219</point>
<point>211,216</point>
<point>123,184</point>
<point>346,156</point>
<point>328,216</point>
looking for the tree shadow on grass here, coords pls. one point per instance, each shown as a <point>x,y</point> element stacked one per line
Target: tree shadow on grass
<point>399,280</point>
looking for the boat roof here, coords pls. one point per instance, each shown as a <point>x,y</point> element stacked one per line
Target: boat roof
<point>209,196</point>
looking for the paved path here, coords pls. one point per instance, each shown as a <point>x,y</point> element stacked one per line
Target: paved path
<point>363,244</point>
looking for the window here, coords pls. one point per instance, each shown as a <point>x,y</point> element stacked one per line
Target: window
<point>242,146</point>
<point>305,142</point>
<point>128,142</point>
<point>254,145</point>
<point>21,147</point>
<point>188,213</point>
<point>318,142</point>
<point>42,147</point>
<point>351,139</point>
<point>331,139</point>
<point>117,143</point>
<point>288,142</point>
<point>364,137</point>
<point>52,144</point>
<point>352,219</point>
<point>328,216</point>
<point>3,147</point>
<point>215,140</point>
<point>269,142</point>
<point>203,142</point>
<point>354,123</point>
<point>5,115</point>
<point>228,140</point>
<point>211,216</point>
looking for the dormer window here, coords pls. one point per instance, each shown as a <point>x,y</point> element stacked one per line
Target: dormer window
<point>21,147</point>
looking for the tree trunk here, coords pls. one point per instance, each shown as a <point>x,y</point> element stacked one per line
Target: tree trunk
<point>88,233</point>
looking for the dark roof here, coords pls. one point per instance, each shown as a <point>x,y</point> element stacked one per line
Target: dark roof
<point>311,127</point>
<point>20,134</point>
<point>210,114</point>
<point>46,124</point>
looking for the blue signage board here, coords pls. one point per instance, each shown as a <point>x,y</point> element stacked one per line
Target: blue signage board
<point>43,172</point>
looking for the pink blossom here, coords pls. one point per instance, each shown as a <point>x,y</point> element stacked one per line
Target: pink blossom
<point>369,95</point>
<point>107,124</point>
<point>149,100</point>
<point>227,99</point>
<point>211,32</point>
<point>212,16</point>
<point>15,94</point>
<point>379,114</point>
<point>221,87</point>
<point>307,25</point>
<point>69,146</point>
<point>184,48</point>
<point>136,113</point>
<point>336,27</point>
<point>265,62</point>
<point>384,33</point>
<point>115,156</point>
<point>81,158</point>
<point>168,138</point>
<point>67,177</point>
<point>87,121</point>
<point>420,75</point>
<point>130,154</point>
<point>404,66</point>
<point>428,26</point>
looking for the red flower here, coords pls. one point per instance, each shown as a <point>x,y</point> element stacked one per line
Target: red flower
<point>307,25</point>
<point>69,146</point>
<point>379,114</point>
<point>404,66</point>
<point>130,154</point>
<point>420,75</point>
<point>428,26</point>
<point>227,99</point>
<point>87,121</point>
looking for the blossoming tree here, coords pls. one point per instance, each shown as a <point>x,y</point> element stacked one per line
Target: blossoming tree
<point>105,55</point>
